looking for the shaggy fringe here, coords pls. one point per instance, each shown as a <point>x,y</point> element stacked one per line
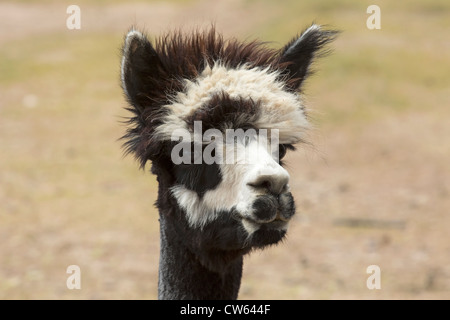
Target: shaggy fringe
<point>182,57</point>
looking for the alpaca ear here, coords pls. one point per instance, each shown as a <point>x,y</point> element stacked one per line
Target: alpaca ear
<point>298,55</point>
<point>141,77</point>
<point>140,68</point>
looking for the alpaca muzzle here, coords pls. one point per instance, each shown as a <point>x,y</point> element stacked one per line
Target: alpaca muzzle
<point>270,215</point>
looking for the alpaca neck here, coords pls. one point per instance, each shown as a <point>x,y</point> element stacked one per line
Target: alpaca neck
<point>183,276</point>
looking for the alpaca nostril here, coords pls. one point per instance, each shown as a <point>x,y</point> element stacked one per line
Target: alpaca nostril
<point>260,184</point>
<point>272,184</point>
<point>266,184</point>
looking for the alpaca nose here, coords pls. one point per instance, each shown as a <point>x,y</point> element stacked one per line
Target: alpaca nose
<point>275,183</point>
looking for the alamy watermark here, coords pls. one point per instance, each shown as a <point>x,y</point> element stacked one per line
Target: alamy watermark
<point>74,20</point>
<point>74,280</point>
<point>374,20</point>
<point>374,280</point>
<point>237,146</point>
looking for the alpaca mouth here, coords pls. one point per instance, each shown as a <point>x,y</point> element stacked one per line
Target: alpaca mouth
<point>252,225</point>
<point>264,234</point>
<point>268,213</point>
<point>276,224</point>
<point>267,226</point>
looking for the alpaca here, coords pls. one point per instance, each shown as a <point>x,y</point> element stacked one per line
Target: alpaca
<point>212,214</point>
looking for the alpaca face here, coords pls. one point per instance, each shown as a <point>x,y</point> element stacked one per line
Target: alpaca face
<point>253,118</point>
<point>254,195</point>
<point>229,89</point>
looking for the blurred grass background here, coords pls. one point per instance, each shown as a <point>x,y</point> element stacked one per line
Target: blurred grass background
<point>380,105</point>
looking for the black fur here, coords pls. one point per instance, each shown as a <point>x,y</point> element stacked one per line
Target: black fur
<point>223,112</point>
<point>286,205</point>
<point>198,177</point>
<point>152,74</point>
<point>299,53</point>
<point>205,262</point>
<point>265,208</point>
<point>190,268</point>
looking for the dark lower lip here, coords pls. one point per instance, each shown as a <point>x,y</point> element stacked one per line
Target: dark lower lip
<point>276,224</point>
<point>264,237</point>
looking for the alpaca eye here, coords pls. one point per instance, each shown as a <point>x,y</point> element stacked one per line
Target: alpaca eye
<point>281,151</point>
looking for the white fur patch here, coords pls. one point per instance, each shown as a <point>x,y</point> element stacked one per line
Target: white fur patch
<point>233,190</point>
<point>280,109</point>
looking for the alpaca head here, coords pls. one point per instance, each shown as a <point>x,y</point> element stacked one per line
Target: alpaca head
<point>215,118</point>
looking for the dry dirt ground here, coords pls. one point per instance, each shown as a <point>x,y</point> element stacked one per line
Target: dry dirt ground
<point>374,189</point>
